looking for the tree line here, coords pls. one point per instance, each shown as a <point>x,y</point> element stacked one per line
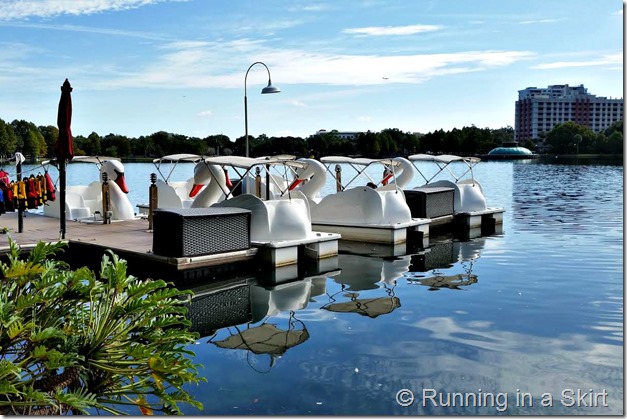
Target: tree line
<point>572,138</point>
<point>38,141</point>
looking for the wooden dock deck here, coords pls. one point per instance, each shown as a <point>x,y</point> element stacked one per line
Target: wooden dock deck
<point>127,235</point>
<point>131,240</point>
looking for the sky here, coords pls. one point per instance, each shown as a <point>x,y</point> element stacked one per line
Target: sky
<point>185,66</point>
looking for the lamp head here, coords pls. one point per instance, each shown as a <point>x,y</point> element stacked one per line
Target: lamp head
<point>270,88</point>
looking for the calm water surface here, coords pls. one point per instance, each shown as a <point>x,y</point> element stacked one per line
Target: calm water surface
<point>535,313</point>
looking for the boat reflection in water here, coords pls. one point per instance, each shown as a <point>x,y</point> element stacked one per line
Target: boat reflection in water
<point>250,315</point>
<point>424,268</point>
<point>237,314</point>
<point>369,307</point>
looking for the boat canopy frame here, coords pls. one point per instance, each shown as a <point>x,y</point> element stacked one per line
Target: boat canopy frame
<point>444,162</point>
<point>244,167</point>
<point>172,161</point>
<point>97,160</point>
<point>359,165</point>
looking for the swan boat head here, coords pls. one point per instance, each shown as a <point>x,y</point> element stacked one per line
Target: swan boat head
<point>400,176</point>
<point>115,172</point>
<point>211,184</point>
<point>311,179</point>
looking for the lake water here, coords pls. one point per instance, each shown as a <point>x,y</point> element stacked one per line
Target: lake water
<point>525,322</point>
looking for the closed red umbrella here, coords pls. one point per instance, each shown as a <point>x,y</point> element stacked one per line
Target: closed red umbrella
<point>65,143</point>
<point>64,147</point>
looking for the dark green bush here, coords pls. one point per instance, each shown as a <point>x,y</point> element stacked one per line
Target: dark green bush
<point>75,342</point>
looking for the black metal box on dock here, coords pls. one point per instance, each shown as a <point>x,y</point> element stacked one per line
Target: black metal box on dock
<point>180,232</point>
<point>430,202</point>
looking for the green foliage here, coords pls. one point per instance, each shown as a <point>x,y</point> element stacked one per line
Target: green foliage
<point>562,138</point>
<point>24,136</point>
<point>28,139</point>
<point>72,342</point>
<point>8,139</point>
<point>50,134</point>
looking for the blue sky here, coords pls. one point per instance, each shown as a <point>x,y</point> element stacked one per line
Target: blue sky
<point>141,66</point>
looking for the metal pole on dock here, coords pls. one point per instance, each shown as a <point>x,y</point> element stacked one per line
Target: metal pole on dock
<point>20,211</point>
<point>106,199</point>
<point>258,182</point>
<point>153,198</point>
<point>267,182</point>
<point>62,168</point>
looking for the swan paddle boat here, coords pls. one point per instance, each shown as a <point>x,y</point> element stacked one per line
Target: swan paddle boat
<point>183,194</point>
<point>172,193</point>
<point>84,202</point>
<point>372,213</point>
<point>454,172</point>
<point>280,220</point>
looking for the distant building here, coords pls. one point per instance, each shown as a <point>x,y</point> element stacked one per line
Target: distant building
<point>344,135</point>
<point>539,110</point>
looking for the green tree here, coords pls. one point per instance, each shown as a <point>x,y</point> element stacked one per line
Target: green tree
<point>92,145</point>
<point>218,144</point>
<point>432,142</point>
<point>29,140</point>
<point>119,143</point>
<point>529,144</point>
<point>471,139</point>
<point>452,141</point>
<point>561,139</point>
<point>143,146</point>
<point>8,140</point>
<point>502,135</point>
<point>161,143</point>
<point>404,142</point>
<point>368,144</point>
<point>320,144</point>
<point>615,143</point>
<point>615,127</point>
<point>51,135</point>
<point>80,142</point>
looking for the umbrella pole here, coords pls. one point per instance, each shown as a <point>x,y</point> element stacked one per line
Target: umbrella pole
<point>20,211</point>
<point>62,198</point>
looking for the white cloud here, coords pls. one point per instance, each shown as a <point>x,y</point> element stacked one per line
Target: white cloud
<point>393,30</point>
<point>205,113</point>
<point>297,103</point>
<point>266,27</point>
<point>87,29</point>
<point>205,65</point>
<point>22,9</point>
<point>528,22</point>
<point>611,59</point>
<point>312,7</point>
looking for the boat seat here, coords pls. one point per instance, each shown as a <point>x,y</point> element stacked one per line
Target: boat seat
<point>182,189</point>
<point>167,196</point>
<point>75,207</point>
<point>92,196</point>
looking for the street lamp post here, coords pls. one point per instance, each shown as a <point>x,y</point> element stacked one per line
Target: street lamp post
<point>268,89</point>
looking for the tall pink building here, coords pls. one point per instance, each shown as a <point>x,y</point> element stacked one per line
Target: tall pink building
<point>539,110</point>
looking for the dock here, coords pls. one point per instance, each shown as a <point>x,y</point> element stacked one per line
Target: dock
<point>131,240</point>
<point>88,241</point>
